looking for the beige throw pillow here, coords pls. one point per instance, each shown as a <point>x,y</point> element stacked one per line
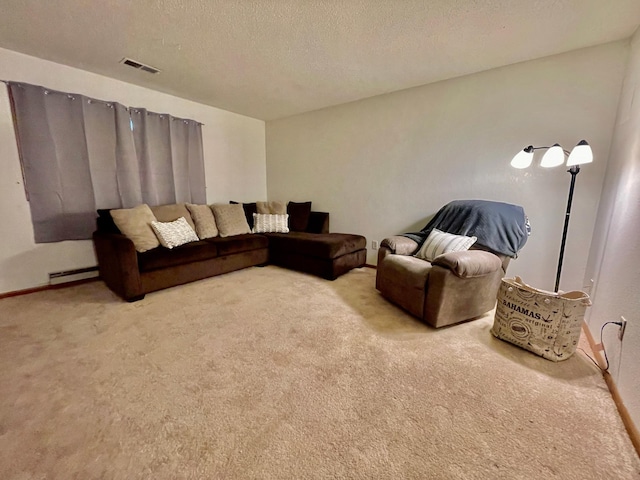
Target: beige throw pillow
<point>274,208</point>
<point>203,218</point>
<point>439,242</point>
<point>171,212</point>
<point>173,234</point>
<point>135,224</point>
<point>230,219</point>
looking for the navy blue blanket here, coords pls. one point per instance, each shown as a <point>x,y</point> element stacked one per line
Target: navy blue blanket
<point>502,227</point>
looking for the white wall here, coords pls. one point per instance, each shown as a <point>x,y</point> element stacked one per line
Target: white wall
<point>234,151</point>
<point>614,260</point>
<point>384,165</point>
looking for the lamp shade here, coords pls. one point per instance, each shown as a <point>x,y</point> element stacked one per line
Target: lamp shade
<point>553,157</point>
<point>523,158</point>
<point>580,154</point>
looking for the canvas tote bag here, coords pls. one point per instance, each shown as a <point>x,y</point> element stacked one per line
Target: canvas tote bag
<point>545,323</point>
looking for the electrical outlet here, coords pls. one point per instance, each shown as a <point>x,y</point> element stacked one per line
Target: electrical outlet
<point>589,287</point>
<point>374,245</point>
<point>623,327</point>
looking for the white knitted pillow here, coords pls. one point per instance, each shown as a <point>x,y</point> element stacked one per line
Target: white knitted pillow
<point>439,242</point>
<point>174,234</point>
<point>270,223</point>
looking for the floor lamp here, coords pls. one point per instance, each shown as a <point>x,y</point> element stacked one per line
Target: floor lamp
<point>554,157</point>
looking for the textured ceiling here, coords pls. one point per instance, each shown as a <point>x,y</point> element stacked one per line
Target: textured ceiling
<point>274,58</point>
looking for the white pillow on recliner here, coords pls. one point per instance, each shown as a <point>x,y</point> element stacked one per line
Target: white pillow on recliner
<point>439,242</point>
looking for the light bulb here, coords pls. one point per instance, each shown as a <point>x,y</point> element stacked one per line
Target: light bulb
<point>580,154</point>
<point>553,157</point>
<point>523,158</point>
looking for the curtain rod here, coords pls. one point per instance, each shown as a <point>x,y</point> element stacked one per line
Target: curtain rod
<point>7,82</point>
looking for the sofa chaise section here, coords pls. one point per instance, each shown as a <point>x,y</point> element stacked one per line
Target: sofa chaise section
<point>327,255</point>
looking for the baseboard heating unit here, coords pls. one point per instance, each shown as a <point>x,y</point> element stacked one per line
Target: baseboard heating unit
<point>56,278</point>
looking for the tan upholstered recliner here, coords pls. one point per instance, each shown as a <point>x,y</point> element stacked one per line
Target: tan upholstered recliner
<point>456,286</point>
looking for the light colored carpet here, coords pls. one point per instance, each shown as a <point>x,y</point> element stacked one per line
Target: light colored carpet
<point>267,373</point>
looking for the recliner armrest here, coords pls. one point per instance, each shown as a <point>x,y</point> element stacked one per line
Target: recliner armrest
<point>400,245</point>
<point>470,263</point>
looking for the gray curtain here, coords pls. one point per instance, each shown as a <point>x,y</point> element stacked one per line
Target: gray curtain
<point>188,170</point>
<point>79,154</point>
<point>171,159</point>
<point>112,155</point>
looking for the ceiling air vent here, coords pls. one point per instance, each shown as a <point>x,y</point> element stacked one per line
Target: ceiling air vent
<point>139,66</point>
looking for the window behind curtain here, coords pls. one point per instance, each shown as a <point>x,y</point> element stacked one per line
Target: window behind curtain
<point>80,154</point>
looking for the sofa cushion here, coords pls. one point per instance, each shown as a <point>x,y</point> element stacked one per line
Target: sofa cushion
<point>173,234</point>
<point>299,214</point>
<point>318,223</point>
<point>171,212</point>
<point>249,210</point>
<point>230,219</point>
<point>105,222</point>
<point>205,222</point>
<point>135,224</point>
<point>263,223</point>
<point>238,243</point>
<point>162,257</point>
<point>271,208</point>
<point>409,271</point>
<point>320,245</point>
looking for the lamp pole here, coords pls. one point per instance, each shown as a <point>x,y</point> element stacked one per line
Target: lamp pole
<point>574,171</point>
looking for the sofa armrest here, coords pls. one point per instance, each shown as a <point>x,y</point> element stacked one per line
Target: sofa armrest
<point>118,264</point>
<point>470,263</point>
<point>399,245</point>
<point>318,222</point>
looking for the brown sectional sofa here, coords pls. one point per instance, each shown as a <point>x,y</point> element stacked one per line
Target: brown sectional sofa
<point>132,274</point>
